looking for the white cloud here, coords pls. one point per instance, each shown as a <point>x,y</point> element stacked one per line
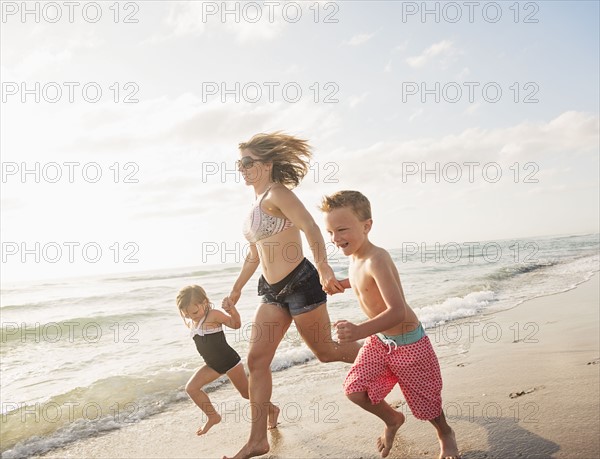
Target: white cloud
<point>571,132</point>
<point>463,73</point>
<point>263,30</point>
<point>356,100</point>
<point>247,24</point>
<point>185,19</point>
<point>359,39</point>
<point>402,46</point>
<point>415,115</point>
<point>473,108</point>
<point>444,47</point>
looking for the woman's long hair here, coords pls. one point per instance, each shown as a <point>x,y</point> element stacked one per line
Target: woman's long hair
<point>290,156</point>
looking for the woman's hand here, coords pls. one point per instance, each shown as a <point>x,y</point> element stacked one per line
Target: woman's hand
<point>227,306</point>
<point>330,284</point>
<point>231,300</point>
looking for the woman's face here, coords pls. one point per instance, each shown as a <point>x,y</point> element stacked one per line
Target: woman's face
<point>253,170</point>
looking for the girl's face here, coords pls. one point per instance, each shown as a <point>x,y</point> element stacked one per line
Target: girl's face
<point>252,168</point>
<point>195,311</point>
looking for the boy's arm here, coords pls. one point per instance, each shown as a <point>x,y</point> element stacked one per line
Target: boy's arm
<point>345,283</point>
<point>395,312</point>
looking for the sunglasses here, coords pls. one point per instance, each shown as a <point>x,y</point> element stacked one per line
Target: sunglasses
<point>246,162</point>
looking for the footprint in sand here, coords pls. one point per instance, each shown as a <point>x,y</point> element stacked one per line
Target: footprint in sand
<point>397,404</point>
<point>523,392</point>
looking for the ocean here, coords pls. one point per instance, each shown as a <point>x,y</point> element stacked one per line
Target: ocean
<point>83,356</point>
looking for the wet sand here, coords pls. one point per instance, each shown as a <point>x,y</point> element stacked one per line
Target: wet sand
<point>518,383</point>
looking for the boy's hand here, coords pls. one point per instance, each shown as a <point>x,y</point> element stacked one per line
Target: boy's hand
<point>345,283</point>
<point>330,284</point>
<point>347,332</point>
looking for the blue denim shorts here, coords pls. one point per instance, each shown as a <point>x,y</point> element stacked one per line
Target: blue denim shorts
<point>299,292</point>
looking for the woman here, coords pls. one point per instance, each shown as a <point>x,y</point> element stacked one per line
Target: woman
<point>291,288</point>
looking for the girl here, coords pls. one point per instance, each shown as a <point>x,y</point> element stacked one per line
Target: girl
<point>220,358</point>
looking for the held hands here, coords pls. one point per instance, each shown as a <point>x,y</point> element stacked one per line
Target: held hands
<point>330,284</point>
<point>345,283</point>
<point>229,301</point>
<point>346,331</point>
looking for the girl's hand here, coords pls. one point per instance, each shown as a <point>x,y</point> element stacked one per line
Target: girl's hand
<point>226,305</point>
<point>347,332</point>
<point>231,299</point>
<point>330,284</point>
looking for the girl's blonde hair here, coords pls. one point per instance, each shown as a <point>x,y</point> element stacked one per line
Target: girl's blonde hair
<point>290,156</point>
<point>192,294</point>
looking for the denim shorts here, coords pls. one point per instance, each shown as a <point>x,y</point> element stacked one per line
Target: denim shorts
<point>299,292</point>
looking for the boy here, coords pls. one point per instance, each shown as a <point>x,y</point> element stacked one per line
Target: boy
<point>396,349</point>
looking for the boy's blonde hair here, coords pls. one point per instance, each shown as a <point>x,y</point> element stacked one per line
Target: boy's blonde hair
<point>192,294</point>
<point>290,156</point>
<point>355,200</point>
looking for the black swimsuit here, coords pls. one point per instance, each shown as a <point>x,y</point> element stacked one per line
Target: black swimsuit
<point>214,349</point>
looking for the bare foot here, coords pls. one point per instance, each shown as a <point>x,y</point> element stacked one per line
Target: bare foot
<point>273,416</point>
<point>212,420</point>
<point>251,450</point>
<point>386,441</point>
<point>448,446</point>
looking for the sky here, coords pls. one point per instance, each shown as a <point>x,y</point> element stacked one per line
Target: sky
<point>120,123</point>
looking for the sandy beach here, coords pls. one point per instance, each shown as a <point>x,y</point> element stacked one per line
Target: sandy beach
<point>518,383</point>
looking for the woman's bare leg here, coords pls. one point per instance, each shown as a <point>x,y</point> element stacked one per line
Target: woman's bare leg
<point>237,375</point>
<point>315,328</point>
<point>270,324</point>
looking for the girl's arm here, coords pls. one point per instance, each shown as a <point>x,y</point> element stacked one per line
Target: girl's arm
<point>231,320</point>
<point>250,264</point>
<point>345,283</point>
<point>289,204</point>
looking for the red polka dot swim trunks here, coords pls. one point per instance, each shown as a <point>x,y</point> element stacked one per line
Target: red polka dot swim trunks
<point>379,366</point>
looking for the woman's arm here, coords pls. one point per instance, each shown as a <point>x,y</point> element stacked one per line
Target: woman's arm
<point>250,264</point>
<point>289,204</point>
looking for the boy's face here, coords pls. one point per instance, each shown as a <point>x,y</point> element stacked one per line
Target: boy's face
<point>345,230</point>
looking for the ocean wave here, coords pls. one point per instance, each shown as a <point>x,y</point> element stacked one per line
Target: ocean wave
<point>139,294</point>
<point>107,404</point>
<point>454,308</point>
<point>151,277</point>
<point>291,357</point>
<point>69,329</point>
<point>507,272</point>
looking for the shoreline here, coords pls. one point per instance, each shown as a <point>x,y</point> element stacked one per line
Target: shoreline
<point>539,353</point>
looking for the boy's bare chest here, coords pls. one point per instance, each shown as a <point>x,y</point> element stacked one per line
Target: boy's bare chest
<point>363,284</point>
